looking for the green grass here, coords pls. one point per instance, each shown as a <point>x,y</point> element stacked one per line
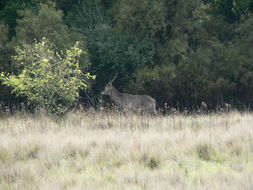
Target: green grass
<point>94,150</point>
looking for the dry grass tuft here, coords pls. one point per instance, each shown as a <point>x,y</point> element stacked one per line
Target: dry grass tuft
<point>95,150</point>
<point>205,151</point>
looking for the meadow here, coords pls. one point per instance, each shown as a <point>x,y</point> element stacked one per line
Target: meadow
<point>111,151</point>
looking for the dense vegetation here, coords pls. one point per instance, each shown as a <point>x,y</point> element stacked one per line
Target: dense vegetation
<point>181,52</point>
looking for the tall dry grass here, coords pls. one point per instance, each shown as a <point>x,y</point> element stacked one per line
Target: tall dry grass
<point>94,150</point>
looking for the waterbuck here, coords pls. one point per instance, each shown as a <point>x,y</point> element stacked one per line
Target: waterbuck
<point>129,101</point>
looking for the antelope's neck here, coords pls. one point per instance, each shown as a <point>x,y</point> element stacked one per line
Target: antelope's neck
<point>116,96</point>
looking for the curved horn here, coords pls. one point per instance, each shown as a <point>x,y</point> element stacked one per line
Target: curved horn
<point>114,78</point>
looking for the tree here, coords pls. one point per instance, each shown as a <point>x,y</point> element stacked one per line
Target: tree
<point>6,65</point>
<point>239,53</point>
<point>48,78</point>
<point>177,30</point>
<point>109,50</point>
<point>9,11</point>
<point>5,49</point>
<point>47,22</point>
<point>231,10</point>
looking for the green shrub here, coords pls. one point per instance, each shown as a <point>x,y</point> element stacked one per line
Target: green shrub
<point>48,78</point>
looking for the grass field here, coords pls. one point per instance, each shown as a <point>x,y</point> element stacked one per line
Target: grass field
<point>115,151</point>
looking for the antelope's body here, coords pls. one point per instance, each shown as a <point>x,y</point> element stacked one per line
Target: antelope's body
<point>130,101</point>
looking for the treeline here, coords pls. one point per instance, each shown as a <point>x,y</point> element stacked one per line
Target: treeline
<point>181,52</point>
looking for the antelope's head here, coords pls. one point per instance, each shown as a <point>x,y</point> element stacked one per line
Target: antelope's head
<point>109,87</point>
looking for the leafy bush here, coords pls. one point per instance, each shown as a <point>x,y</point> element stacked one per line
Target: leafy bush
<point>48,78</point>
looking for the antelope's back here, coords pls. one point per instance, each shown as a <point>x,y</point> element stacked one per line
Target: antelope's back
<point>141,101</point>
